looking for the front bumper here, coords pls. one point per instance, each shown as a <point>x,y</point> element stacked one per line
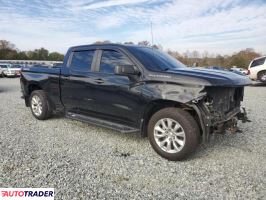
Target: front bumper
<point>12,73</point>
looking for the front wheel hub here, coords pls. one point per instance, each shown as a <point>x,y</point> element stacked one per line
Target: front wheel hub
<point>36,105</point>
<point>169,135</point>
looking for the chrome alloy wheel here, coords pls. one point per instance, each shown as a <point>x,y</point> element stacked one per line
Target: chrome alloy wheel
<point>169,135</point>
<point>36,105</point>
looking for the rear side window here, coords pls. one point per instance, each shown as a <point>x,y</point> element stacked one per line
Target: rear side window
<point>258,62</point>
<point>110,59</point>
<point>81,61</point>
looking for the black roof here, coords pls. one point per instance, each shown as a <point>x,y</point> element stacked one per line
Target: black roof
<point>110,45</point>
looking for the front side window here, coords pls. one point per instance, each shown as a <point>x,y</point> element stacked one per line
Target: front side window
<point>81,60</point>
<point>258,62</point>
<point>110,59</point>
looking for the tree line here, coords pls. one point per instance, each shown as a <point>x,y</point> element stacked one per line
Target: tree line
<point>8,51</point>
<point>190,58</point>
<point>239,59</point>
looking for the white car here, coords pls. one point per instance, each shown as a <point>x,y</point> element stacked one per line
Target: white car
<point>257,69</point>
<point>12,71</point>
<point>3,68</point>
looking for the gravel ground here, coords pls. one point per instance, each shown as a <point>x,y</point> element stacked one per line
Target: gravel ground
<point>87,162</point>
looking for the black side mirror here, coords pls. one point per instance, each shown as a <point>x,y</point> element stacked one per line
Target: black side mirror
<point>126,70</point>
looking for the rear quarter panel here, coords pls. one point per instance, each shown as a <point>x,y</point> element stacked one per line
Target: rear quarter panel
<point>48,79</point>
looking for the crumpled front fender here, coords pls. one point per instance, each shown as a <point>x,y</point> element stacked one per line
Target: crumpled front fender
<point>174,92</point>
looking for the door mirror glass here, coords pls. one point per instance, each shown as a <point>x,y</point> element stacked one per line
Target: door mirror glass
<point>126,70</point>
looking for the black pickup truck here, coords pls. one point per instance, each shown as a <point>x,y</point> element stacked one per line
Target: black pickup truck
<point>138,89</point>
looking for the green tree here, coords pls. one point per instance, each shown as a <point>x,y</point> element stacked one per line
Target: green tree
<point>42,54</point>
<point>7,50</point>
<point>21,56</point>
<point>38,54</point>
<point>237,61</point>
<point>55,56</point>
<point>32,55</point>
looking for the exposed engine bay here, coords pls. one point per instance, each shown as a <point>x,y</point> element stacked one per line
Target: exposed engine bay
<point>221,109</point>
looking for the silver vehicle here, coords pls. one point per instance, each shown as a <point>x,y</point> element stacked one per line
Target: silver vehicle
<point>3,68</point>
<point>12,70</point>
<point>240,70</point>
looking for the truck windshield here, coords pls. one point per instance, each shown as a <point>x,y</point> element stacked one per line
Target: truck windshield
<point>154,59</point>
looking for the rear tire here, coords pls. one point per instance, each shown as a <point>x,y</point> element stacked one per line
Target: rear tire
<point>173,133</point>
<point>40,105</point>
<point>262,76</point>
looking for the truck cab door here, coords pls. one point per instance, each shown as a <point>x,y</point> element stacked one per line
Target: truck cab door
<point>116,97</point>
<point>77,81</point>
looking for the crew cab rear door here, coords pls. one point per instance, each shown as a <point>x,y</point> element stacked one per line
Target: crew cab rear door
<point>77,81</point>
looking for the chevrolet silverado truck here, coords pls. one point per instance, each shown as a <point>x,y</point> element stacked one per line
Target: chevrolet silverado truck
<point>138,89</point>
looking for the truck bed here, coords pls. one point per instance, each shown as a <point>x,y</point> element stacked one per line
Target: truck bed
<point>48,77</point>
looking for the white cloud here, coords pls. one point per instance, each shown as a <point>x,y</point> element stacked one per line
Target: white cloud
<point>221,26</point>
<point>111,3</point>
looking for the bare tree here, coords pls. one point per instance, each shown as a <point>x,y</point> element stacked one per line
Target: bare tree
<point>144,43</point>
<point>102,42</point>
<point>4,44</point>
<point>128,42</point>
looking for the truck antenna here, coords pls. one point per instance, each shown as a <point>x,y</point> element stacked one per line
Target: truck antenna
<point>151,34</point>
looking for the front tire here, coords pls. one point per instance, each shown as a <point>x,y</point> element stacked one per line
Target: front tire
<point>173,133</point>
<point>40,105</point>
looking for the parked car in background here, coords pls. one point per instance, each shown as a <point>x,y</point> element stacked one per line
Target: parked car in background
<point>216,68</point>
<point>3,68</point>
<point>239,71</point>
<point>12,71</point>
<point>219,68</point>
<point>257,69</point>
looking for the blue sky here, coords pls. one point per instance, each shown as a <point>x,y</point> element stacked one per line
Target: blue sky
<point>217,26</point>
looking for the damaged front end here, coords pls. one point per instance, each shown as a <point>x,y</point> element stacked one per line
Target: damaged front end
<point>220,110</point>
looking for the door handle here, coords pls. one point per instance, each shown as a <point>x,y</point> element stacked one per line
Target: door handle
<point>99,80</point>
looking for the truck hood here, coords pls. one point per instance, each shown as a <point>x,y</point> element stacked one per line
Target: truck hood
<point>210,77</point>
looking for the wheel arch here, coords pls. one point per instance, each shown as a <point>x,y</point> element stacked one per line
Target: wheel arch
<point>33,86</point>
<point>30,88</point>
<point>157,105</point>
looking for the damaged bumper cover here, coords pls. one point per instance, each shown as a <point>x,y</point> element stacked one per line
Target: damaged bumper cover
<point>211,123</point>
